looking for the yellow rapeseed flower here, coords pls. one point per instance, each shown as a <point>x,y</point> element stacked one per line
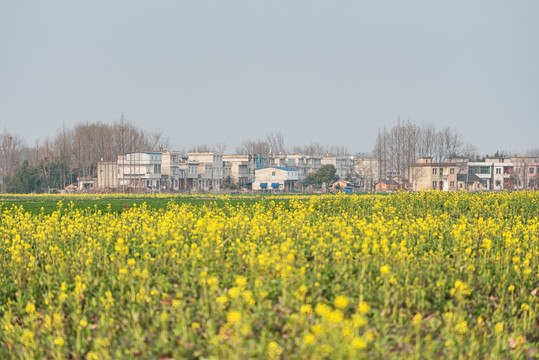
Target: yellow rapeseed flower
<point>274,350</point>
<point>341,302</point>
<point>416,321</point>
<point>359,343</point>
<point>363,307</point>
<point>30,308</point>
<point>461,328</point>
<point>59,341</point>
<point>385,269</point>
<point>233,317</point>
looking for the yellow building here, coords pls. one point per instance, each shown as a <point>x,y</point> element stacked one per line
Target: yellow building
<point>426,175</point>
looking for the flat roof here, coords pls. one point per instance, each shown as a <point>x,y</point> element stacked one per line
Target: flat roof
<point>435,164</point>
<point>144,152</point>
<point>282,168</point>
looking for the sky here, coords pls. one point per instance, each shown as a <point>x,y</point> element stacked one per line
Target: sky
<point>205,72</point>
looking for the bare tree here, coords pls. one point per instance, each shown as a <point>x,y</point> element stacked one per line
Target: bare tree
<point>255,147</point>
<point>451,144</point>
<point>381,153</point>
<point>200,148</point>
<point>312,149</point>
<point>11,153</point>
<point>399,148</point>
<point>275,142</point>
<point>533,153</point>
<point>427,139</point>
<point>220,147</point>
<point>336,150</point>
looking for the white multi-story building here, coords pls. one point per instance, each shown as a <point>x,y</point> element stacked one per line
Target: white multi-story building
<point>140,170</point>
<point>344,165</point>
<point>366,172</point>
<point>304,164</point>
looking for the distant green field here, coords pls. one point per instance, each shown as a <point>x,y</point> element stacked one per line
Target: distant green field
<point>119,203</point>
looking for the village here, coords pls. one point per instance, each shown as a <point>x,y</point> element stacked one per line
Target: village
<point>199,172</point>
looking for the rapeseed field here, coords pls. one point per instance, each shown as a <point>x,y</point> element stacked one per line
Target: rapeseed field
<point>426,275</point>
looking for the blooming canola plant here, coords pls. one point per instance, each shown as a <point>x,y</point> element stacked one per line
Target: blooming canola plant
<point>334,276</point>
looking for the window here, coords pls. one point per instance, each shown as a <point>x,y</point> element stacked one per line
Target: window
<point>452,183</point>
<point>461,185</point>
<point>452,171</point>
<point>273,173</point>
<point>441,171</point>
<point>434,184</point>
<point>531,170</point>
<point>498,171</point>
<point>434,172</point>
<point>479,170</point>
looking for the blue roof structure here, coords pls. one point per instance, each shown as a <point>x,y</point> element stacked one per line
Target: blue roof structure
<point>283,168</point>
<point>145,152</point>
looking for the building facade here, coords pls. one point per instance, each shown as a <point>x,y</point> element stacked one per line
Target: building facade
<point>426,175</point>
<point>205,171</point>
<point>275,179</point>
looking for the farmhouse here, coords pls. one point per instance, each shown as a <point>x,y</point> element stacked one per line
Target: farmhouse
<point>275,178</point>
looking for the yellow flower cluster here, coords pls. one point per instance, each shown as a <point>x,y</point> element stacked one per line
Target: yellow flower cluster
<point>303,277</point>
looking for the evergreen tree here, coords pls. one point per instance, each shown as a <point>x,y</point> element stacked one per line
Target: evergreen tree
<point>326,174</point>
<point>25,179</point>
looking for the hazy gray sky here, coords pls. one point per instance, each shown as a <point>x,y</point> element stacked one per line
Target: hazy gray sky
<point>224,71</point>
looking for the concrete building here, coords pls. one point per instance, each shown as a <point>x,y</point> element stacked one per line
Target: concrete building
<point>341,185</point>
<point>502,173</point>
<point>205,171</point>
<point>469,182</point>
<point>173,176</point>
<point>499,173</point>
<point>521,168</point>
<point>276,179</point>
<point>139,171</point>
<point>86,183</point>
<point>107,175</point>
<point>241,168</point>
<point>484,171</point>
<point>366,172</point>
<point>425,175</point>
<point>387,186</point>
<point>344,165</point>
<point>532,175</point>
<point>304,164</point>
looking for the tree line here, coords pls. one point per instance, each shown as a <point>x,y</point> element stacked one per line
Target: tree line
<point>400,146</point>
<point>71,153</point>
<point>74,152</point>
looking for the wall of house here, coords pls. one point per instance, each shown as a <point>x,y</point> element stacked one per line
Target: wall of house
<point>107,174</point>
<point>434,176</point>
<point>273,175</point>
